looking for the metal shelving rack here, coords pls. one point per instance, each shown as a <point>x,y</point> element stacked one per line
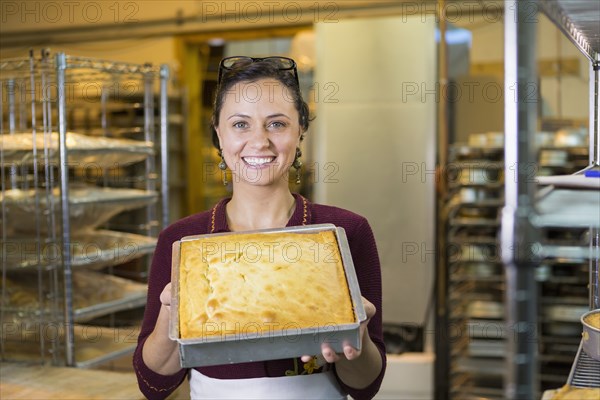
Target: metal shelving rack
<point>476,282</point>
<point>527,210</point>
<point>58,195</point>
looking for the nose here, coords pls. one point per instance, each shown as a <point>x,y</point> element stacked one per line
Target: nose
<point>260,138</point>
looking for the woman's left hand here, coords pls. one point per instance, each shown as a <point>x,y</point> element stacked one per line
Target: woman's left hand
<point>350,352</point>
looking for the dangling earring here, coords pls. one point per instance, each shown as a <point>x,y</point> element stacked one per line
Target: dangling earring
<point>223,168</point>
<point>297,164</point>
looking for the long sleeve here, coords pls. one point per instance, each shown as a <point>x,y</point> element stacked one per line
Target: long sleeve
<point>368,271</point>
<point>153,385</point>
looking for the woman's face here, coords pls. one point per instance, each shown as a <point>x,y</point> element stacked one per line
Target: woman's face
<point>259,132</point>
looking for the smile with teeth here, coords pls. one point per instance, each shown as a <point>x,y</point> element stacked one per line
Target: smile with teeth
<point>257,161</point>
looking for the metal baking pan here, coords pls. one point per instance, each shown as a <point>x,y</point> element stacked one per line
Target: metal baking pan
<point>89,206</point>
<point>591,334</point>
<point>272,345</point>
<point>83,150</point>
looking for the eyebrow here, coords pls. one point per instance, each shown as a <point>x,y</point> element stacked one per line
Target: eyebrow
<point>238,115</point>
<point>278,115</point>
<point>268,116</point>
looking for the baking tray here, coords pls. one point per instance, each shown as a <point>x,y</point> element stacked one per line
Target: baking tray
<point>481,366</point>
<point>90,249</point>
<point>94,345</point>
<point>485,309</point>
<point>273,345</point>
<point>89,206</point>
<point>94,294</point>
<point>565,313</point>
<point>83,151</point>
<point>487,348</point>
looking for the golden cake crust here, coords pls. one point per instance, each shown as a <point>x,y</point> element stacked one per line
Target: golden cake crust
<point>257,282</point>
<point>593,320</point>
<point>574,393</point>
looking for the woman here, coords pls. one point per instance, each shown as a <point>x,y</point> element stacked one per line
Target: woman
<point>259,119</point>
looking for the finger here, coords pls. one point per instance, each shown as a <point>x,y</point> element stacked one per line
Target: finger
<point>350,352</point>
<point>328,354</point>
<point>306,359</point>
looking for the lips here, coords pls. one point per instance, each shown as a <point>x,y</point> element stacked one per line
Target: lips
<point>258,161</point>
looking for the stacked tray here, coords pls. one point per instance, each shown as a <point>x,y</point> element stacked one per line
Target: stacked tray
<point>90,249</point>
<point>61,194</point>
<point>94,294</point>
<point>474,266</point>
<point>94,345</point>
<point>83,151</point>
<point>476,280</point>
<point>89,206</point>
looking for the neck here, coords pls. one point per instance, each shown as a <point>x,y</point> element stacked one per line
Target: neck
<point>253,208</point>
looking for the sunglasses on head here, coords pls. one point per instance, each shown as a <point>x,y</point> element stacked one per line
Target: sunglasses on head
<point>283,63</point>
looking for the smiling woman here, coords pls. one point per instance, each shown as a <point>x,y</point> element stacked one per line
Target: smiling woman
<point>259,120</point>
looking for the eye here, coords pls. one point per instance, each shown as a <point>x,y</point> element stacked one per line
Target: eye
<point>240,125</point>
<point>277,125</point>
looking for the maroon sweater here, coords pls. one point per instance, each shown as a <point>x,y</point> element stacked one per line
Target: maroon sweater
<point>366,263</point>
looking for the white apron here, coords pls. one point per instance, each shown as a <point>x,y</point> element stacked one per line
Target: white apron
<point>322,386</point>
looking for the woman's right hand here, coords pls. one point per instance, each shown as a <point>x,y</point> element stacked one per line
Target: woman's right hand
<point>160,353</point>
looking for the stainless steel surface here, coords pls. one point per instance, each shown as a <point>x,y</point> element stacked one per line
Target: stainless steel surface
<point>594,266</point>
<point>569,181</point>
<point>591,335</point>
<point>89,206</point>
<point>93,345</point>
<point>95,294</point>
<point>487,348</point>
<point>517,235</point>
<point>86,152</point>
<point>565,313</point>
<point>2,222</point>
<point>568,208</point>
<point>34,152</point>
<point>567,252</point>
<point>578,19</point>
<point>485,328</point>
<point>150,136</point>
<point>562,329</point>
<point>42,101</point>
<point>89,249</point>
<point>584,372</point>
<point>594,114</point>
<point>481,366</point>
<point>475,316</point>
<point>117,67</point>
<point>164,143</point>
<point>485,309</point>
<point>273,344</point>
<point>61,66</point>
